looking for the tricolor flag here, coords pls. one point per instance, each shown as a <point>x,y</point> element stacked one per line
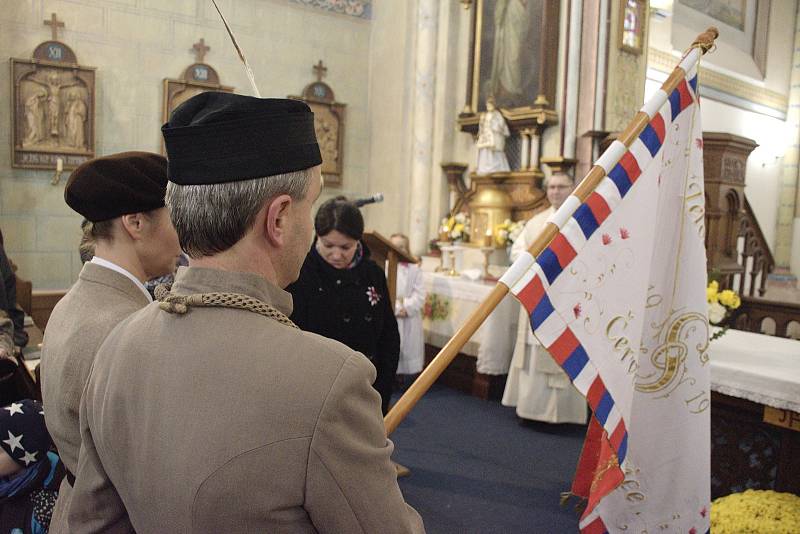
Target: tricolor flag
<point>618,299</point>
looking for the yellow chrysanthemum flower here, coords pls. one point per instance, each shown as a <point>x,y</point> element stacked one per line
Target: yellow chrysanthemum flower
<point>756,512</point>
<point>727,298</point>
<point>711,292</point>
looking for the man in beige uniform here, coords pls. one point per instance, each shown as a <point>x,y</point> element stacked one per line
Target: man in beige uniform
<point>123,198</point>
<point>211,411</point>
<point>538,388</point>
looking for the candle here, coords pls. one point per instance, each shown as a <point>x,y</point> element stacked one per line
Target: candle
<point>59,165</point>
<point>487,238</point>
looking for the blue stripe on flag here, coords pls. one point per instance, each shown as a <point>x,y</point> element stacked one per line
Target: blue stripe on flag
<point>604,408</point>
<point>623,448</point>
<point>548,261</point>
<point>541,312</point>
<point>675,103</point>
<point>620,177</point>
<point>693,83</point>
<point>650,139</point>
<point>585,219</point>
<point>575,363</point>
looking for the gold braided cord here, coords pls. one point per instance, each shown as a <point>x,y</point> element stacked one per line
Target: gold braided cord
<point>180,304</point>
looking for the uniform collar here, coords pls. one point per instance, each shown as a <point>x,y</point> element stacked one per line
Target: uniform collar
<point>191,280</point>
<point>121,270</point>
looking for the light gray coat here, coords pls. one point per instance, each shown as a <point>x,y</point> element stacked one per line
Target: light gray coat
<point>93,306</point>
<point>224,420</point>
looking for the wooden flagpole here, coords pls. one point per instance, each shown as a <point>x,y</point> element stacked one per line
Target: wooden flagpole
<point>704,42</point>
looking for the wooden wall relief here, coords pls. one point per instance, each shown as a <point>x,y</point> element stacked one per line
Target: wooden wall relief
<point>53,100</point>
<point>197,78</point>
<point>328,123</point>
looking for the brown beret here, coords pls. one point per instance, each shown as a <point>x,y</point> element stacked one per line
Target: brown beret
<point>112,186</point>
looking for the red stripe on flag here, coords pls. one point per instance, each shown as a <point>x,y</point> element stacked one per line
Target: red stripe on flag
<point>683,91</point>
<point>599,207</point>
<point>531,294</point>
<point>631,166</point>
<point>596,392</point>
<point>657,124</point>
<point>617,435</point>
<point>563,346</point>
<point>563,250</point>
<point>595,527</point>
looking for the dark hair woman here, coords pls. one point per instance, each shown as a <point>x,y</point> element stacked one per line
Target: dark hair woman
<point>342,294</point>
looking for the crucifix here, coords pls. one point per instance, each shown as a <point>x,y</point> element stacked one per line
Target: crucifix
<point>54,24</point>
<point>320,70</point>
<point>200,50</point>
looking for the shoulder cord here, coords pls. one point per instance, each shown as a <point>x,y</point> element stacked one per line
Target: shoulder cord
<point>180,304</point>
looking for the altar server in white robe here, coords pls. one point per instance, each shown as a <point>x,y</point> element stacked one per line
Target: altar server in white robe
<point>536,385</point>
<point>409,301</point>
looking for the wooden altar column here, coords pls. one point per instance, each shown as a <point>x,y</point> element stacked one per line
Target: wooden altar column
<point>724,165</point>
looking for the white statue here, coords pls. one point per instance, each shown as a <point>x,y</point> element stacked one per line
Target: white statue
<point>492,133</point>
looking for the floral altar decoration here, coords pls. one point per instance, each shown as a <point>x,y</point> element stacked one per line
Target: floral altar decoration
<point>455,228</point>
<point>507,233</point>
<point>720,306</point>
<point>756,512</point>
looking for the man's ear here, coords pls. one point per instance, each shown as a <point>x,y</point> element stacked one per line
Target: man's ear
<point>277,220</point>
<point>133,224</point>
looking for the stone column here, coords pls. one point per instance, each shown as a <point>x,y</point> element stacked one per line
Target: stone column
<point>424,84</point>
<point>525,161</point>
<point>572,85</point>
<point>788,200</point>
<point>535,142</point>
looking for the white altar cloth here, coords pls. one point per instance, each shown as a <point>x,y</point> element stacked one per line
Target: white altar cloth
<point>756,367</point>
<point>493,343</point>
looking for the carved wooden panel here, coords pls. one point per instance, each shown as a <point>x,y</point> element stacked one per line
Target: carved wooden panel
<point>53,109</point>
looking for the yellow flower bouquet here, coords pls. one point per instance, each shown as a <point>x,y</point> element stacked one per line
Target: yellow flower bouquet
<point>756,512</point>
<point>720,306</point>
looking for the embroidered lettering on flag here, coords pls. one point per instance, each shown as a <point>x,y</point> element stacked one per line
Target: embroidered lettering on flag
<point>618,300</point>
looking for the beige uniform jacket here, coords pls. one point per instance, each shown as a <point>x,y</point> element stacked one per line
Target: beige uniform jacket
<point>80,322</point>
<point>224,420</point>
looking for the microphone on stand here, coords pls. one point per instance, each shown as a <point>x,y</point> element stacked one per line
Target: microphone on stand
<point>377,197</point>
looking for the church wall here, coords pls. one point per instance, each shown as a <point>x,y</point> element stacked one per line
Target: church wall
<point>772,134</point>
<point>135,44</point>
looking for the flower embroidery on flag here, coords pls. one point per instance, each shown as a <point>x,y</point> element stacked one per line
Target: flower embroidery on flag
<point>606,239</point>
<point>699,143</point>
<point>373,295</point>
<point>692,530</point>
<point>624,233</point>
<point>704,511</point>
<point>577,310</point>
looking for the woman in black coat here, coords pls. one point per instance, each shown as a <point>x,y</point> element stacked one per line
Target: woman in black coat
<point>342,294</point>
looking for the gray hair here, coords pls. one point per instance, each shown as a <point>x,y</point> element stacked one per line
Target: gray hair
<point>548,175</point>
<point>211,218</point>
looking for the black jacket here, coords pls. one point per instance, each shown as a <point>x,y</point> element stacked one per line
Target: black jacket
<point>351,306</point>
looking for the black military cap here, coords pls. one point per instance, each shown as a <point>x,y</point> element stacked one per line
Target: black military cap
<point>222,137</point>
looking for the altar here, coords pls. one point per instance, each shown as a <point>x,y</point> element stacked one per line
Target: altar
<point>755,413</point>
<point>482,364</point>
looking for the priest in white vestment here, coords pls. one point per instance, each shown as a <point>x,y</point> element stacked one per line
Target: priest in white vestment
<point>536,385</point>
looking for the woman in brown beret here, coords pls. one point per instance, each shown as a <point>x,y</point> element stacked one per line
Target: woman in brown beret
<point>122,197</point>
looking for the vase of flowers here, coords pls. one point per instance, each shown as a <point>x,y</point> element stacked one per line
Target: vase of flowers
<point>505,234</point>
<point>720,307</point>
<point>455,228</point>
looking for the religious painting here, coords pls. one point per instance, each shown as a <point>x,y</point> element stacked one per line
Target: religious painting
<point>632,24</point>
<point>513,60</point>
<point>743,24</point>
<point>730,12</point>
<point>53,109</point>
<point>328,125</point>
<point>507,55</point>
<point>197,78</point>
